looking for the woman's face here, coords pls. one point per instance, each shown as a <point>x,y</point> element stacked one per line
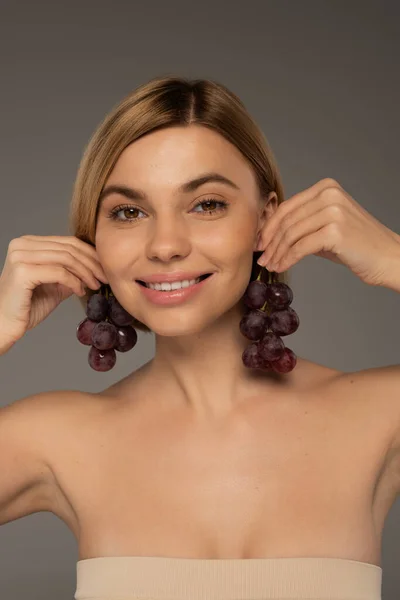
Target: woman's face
<point>165,230</point>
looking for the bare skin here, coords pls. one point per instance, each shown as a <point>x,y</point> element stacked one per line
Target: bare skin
<point>192,455</point>
<point>302,472</point>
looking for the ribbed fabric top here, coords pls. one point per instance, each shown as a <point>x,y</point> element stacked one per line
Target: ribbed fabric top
<point>162,578</point>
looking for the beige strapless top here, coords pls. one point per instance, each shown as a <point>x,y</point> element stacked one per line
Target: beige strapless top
<point>162,578</point>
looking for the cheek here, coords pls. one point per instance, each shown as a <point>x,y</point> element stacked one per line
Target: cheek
<point>232,241</point>
<point>115,249</point>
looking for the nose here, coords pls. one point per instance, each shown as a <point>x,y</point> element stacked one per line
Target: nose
<point>169,239</point>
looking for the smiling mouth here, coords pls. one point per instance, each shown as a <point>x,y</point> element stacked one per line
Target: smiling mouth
<point>201,279</point>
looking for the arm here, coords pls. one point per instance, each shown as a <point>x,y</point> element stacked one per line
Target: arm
<point>391,276</point>
<point>384,384</point>
<point>26,479</point>
<point>386,380</point>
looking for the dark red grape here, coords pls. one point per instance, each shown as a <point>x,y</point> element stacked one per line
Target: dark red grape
<point>84,331</point>
<point>252,359</point>
<point>101,360</point>
<point>284,322</point>
<point>271,347</point>
<point>255,294</point>
<point>97,307</point>
<point>254,324</point>
<point>117,314</point>
<point>104,335</point>
<point>126,338</point>
<point>285,363</point>
<point>278,295</point>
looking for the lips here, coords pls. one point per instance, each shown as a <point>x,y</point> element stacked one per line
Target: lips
<point>174,297</point>
<point>201,279</point>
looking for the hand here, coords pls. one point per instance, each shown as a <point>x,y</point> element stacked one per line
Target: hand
<point>39,273</point>
<point>326,221</point>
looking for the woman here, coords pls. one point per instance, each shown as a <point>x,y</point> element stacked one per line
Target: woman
<point>197,476</point>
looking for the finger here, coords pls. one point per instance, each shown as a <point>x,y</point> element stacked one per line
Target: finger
<point>310,244</point>
<point>292,203</point>
<point>39,274</point>
<point>87,249</point>
<point>89,258</point>
<point>298,231</point>
<point>56,257</point>
<point>289,228</point>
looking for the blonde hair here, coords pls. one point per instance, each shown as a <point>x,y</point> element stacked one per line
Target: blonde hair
<point>163,102</point>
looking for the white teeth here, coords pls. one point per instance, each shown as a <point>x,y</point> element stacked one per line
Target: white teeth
<point>176,285</point>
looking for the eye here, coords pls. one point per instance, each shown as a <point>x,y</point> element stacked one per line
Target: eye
<point>113,215</point>
<point>209,202</point>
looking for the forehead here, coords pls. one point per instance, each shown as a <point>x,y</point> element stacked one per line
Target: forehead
<point>169,156</point>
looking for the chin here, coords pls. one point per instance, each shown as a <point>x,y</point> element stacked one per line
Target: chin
<point>177,329</point>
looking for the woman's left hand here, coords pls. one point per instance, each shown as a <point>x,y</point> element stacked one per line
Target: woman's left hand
<point>326,221</point>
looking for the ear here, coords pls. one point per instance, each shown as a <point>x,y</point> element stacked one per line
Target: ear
<point>269,205</point>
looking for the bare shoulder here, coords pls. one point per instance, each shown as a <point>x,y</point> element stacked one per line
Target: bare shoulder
<point>369,400</point>
<point>380,388</point>
<point>308,375</point>
<point>370,397</point>
<point>44,407</point>
<point>50,421</point>
<point>41,410</point>
<point>31,429</point>
<point>43,416</point>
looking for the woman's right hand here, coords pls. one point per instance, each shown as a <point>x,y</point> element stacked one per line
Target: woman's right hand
<point>38,274</point>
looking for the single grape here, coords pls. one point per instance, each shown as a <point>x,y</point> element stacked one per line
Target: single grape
<point>284,322</point>
<point>97,307</point>
<point>101,360</point>
<point>271,347</point>
<point>278,295</point>
<point>126,338</point>
<point>104,336</point>
<point>251,358</point>
<point>255,294</point>
<point>117,313</point>
<point>286,362</point>
<point>84,331</point>
<point>253,324</point>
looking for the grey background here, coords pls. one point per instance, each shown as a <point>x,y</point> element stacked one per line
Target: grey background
<point>321,79</point>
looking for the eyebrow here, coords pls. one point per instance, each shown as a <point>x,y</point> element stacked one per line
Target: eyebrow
<point>187,187</point>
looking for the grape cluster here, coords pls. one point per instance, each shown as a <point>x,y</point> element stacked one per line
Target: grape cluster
<point>268,317</point>
<point>106,328</point>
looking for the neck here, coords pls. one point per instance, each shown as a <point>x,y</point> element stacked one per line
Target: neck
<point>204,372</point>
